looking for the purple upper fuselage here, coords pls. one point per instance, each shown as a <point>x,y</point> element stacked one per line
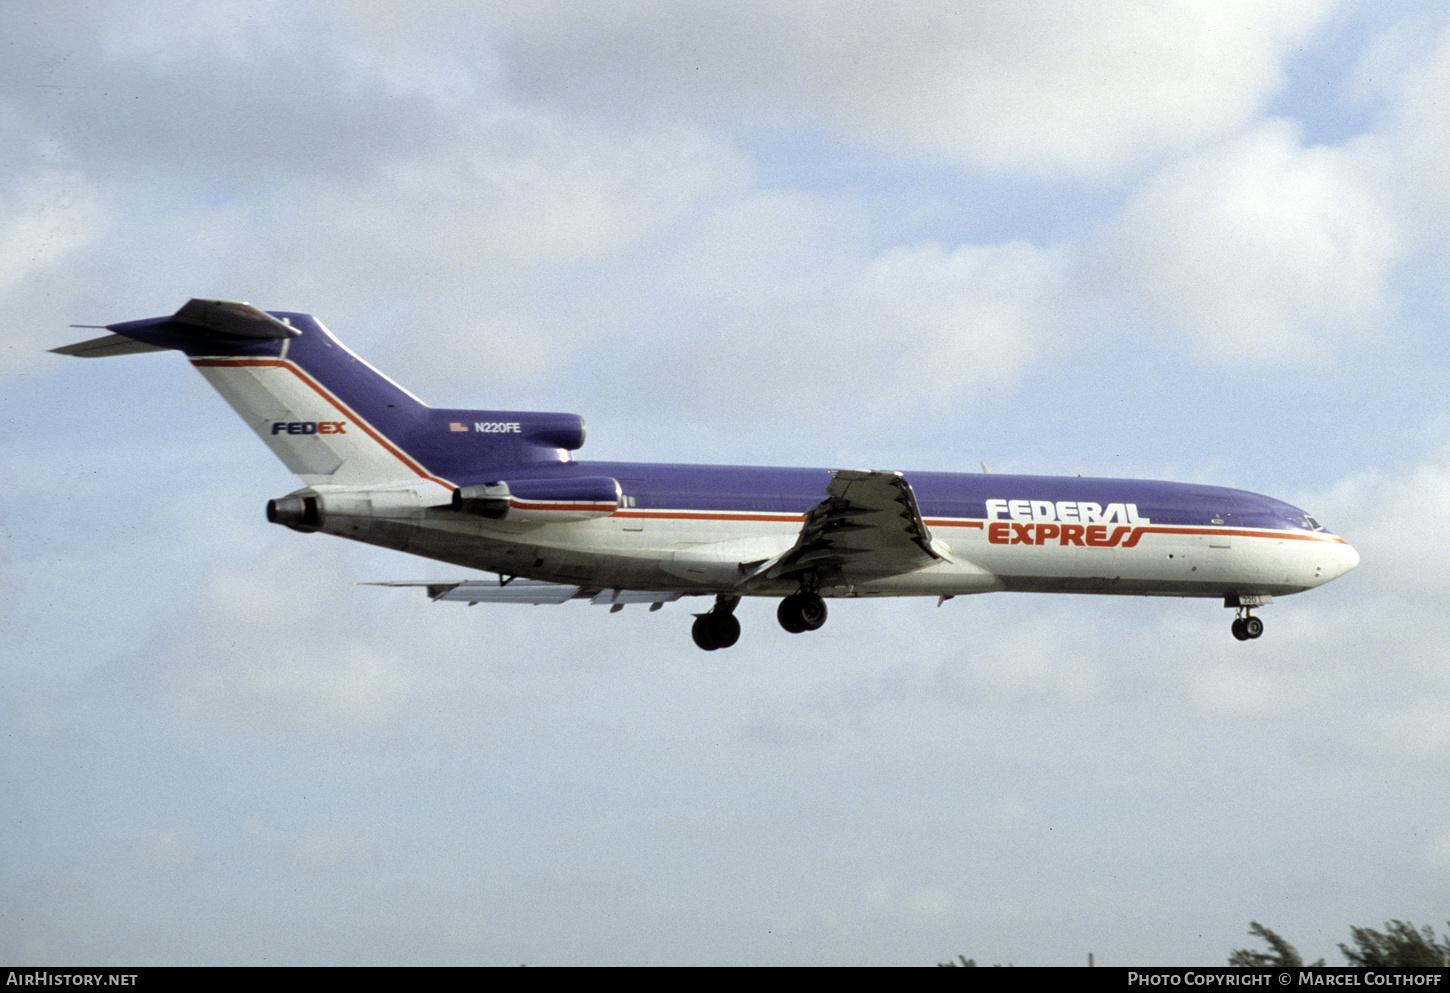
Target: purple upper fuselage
<point>467,447</point>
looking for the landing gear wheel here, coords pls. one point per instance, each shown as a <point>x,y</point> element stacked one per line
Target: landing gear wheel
<point>1247,628</point>
<point>786,614</point>
<point>801,612</point>
<point>716,630</point>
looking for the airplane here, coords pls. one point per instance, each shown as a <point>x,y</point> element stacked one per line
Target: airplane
<point>501,492</point>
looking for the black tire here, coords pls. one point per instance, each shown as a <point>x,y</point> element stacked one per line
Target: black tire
<point>1253,627</point>
<point>727,630</point>
<point>813,611</point>
<point>801,612</point>
<point>703,632</point>
<point>1238,629</point>
<point>788,616</point>
<point>715,630</point>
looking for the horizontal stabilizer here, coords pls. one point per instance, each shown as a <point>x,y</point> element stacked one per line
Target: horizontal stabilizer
<point>212,318</point>
<point>534,591</point>
<point>107,346</point>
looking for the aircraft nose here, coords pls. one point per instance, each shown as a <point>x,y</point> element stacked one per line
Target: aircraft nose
<point>1340,558</point>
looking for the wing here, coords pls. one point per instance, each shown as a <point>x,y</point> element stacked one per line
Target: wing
<point>535,591</point>
<point>868,526</point>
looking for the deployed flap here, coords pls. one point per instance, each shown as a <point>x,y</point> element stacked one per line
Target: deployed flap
<point>106,346</point>
<point>868,526</point>
<point>620,597</point>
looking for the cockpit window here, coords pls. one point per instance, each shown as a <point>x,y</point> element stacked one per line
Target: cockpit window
<point>1309,524</point>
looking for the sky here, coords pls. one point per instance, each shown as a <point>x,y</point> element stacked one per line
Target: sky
<point>1199,241</point>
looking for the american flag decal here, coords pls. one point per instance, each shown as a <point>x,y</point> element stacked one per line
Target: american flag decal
<point>455,426</point>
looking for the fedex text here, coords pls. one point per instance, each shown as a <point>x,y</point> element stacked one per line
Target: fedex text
<point>1064,512</point>
<point>1094,535</point>
<point>309,427</point>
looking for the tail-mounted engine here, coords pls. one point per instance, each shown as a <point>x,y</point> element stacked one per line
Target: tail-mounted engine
<point>310,509</point>
<point>298,511</point>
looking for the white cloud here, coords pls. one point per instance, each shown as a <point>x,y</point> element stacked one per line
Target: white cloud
<point>1414,144</point>
<point>778,296</point>
<point>959,320</point>
<point>1437,852</point>
<point>171,33</point>
<point>259,646</point>
<point>1395,677</point>
<point>46,218</point>
<point>1260,250</point>
<point>1050,88</point>
<point>1418,728</point>
<point>1237,692</point>
<point>1033,660</point>
<point>1384,517</point>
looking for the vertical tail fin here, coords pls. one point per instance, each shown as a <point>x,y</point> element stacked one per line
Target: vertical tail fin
<point>328,415</point>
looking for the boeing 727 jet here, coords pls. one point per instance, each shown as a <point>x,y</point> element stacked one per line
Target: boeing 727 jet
<point>502,492</point>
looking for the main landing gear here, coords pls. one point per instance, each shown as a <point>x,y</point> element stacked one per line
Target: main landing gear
<point>719,627</point>
<point>801,612</point>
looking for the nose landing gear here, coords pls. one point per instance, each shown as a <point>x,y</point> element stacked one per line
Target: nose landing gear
<point>1247,627</point>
